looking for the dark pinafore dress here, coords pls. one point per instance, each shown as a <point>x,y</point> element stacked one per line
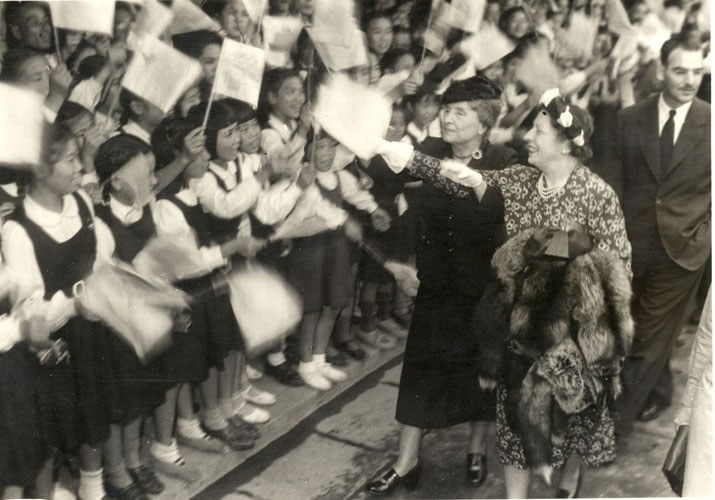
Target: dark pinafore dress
<point>25,443</point>
<point>319,266</point>
<point>84,400</point>
<point>140,387</point>
<point>216,314</point>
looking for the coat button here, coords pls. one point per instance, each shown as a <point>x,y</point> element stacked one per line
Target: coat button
<point>658,201</point>
<point>450,217</point>
<point>450,233</point>
<point>450,250</point>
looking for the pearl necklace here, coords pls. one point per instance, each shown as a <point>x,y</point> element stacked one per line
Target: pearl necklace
<point>549,192</point>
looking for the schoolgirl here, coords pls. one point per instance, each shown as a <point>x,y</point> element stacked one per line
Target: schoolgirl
<point>179,215</point>
<point>205,46</point>
<point>235,20</point>
<point>319,266</point>
<point>227,192</point>
<point>424,108</point>
<point>51,243</point>
<point>378,28</point>
<point>92,74</point>
<point>284,118</point>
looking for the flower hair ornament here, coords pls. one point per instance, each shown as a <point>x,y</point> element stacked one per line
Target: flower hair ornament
<point>556,106</point>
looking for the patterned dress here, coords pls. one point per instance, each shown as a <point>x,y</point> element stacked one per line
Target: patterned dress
<point>585,199</point>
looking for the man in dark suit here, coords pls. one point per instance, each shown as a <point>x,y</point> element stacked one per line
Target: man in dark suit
<point>662,176</point>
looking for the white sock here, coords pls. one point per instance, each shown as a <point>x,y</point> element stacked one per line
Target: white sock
<point>190,428</point>
<point>306,366</point>
<point>165,453</point>
<point>226,407</point>
<point>276,358</point>
<point>91,486</point>
<point>214,419</point>
<point>319,359</point>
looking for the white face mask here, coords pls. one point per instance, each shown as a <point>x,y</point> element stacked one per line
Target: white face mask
<point>137,176</point>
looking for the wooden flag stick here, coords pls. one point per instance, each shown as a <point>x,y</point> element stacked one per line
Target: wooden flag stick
<point>57,45</point>
<point>211,95</point>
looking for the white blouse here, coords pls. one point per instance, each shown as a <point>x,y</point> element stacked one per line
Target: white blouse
<point>19,253</point>
<point>227,205</point>
<point>170,222</point>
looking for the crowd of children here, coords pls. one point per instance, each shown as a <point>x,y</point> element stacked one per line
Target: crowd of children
<point>220,177</point>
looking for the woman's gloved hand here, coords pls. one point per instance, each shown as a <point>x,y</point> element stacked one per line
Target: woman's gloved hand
<point>460,173</point>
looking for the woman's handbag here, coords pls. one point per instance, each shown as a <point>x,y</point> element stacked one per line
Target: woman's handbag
<point>674,465</point>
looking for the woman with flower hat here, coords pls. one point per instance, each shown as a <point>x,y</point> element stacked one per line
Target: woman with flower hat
<point>560,192</point>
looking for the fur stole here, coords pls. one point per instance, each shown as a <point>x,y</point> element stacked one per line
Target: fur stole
<point>569,327</point>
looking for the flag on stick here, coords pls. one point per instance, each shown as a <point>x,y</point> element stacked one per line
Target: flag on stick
<point>153,18</point>
<point>21,126</point>
<point>96,16</point>
<point>188,17</point>
<point>487,46</point>
<point>338,57</point>
<point>331,20</point>
<point>239,72</point>
<point>159,73</point>
<point>355,115</point>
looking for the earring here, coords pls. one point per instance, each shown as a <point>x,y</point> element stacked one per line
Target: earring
<point>565,152</point>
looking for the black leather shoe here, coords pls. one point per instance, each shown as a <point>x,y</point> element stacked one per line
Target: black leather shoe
<point>285,374</point>
<point>131,492</point>
<point>352,349</point>
<point>146,479</point>
<point>245,428</point>
<point>650,411</point>
<point>336,358</point>
<point>235,439</point>
<point>391,480</point>
<point>476,468</point>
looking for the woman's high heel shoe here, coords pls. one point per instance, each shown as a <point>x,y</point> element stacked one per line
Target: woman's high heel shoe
<point>562,493</point>
<point>476,468</point>
<point>391,480</point>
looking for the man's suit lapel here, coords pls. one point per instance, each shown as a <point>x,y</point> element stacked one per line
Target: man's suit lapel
<point>649,136</point>
<point>689,136</point>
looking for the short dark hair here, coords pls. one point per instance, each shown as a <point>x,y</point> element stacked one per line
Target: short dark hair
<point>221,116</point>
<point>679,41</point>
<point>13,61</point>
<point>115,152</point>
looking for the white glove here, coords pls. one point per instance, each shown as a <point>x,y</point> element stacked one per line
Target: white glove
<point>460,173</point>
<point>396,154</point>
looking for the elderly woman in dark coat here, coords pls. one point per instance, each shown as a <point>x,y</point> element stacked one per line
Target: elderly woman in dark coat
<point>458,237</point>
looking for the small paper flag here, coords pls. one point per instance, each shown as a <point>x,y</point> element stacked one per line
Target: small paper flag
<point>469,14</point>
<point>355,115</point>
<point>281,33</point>
<point>96,16</point>
<point>21,126</point>
<point>331,20</point>
<point>159,73</point>
<point>486,47</point>
<point>337,57</point>
<point>239,72</point>
<point>188,17</point>
<point>391,80</point>
<point>266,307</point>
<point>153,18</point>
<point>536,70</point>
<point>254,8</point>
<point>576,41</point>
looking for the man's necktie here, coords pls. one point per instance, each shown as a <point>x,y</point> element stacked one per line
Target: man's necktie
<point>666,143</point>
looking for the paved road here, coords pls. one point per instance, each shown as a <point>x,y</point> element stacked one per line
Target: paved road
<point>334,452</point>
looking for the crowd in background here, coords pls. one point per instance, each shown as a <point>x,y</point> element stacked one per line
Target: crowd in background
<point>222,176</point>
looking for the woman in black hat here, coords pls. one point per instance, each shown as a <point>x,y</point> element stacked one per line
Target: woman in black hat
<point>458,236</point>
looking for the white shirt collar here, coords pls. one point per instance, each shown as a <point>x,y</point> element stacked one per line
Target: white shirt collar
<point>329,179</point>
<point>283,129</point>
<point>188,196</point>
<point>681,113</point>
<point>227,175</point>
<point>127,214</point>
<point>44,217</point>
<point>10,189</point>
<point>132,128</point>
<point>418,133</point>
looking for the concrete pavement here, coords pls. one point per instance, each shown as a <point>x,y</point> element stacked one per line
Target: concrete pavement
<point>346,442</point>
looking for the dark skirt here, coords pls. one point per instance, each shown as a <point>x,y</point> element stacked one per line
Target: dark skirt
<point>140,387</point>
<point>319,267</point>
<point>589,434</point>
<point>187,358</point>
<point>97,402</point>
<point>439,385</point>
<point>26,438</point>
<point>223,333</point>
